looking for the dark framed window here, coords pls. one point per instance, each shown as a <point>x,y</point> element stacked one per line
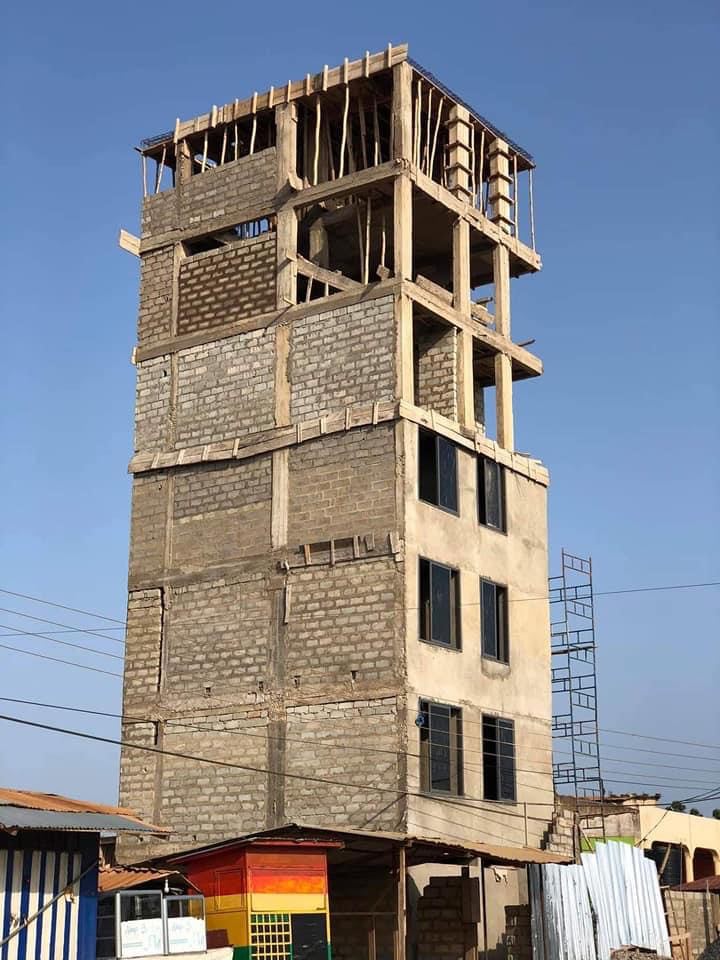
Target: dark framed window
<point>437,459</point>
<point>494,621</point>
<point>439,604</point>
<point>441,762</point>
<point>491,494</point>
<point>498,758</point>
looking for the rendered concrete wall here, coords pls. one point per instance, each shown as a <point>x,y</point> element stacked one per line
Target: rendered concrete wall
<point>520,690</point>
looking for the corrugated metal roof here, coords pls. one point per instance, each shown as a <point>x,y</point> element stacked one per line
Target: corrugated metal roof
<point>501,855</point>
<point>121,878</point>
<point>28,809</point>
<point>22,818</point>
<point>700,886</point>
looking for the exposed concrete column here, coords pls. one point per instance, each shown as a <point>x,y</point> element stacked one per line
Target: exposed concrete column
<point>503,364</point>
<point>402,229</point>
<point>499,185</point>
<point>183,162</point>
<point>461,302</point>
<point>689,866</point>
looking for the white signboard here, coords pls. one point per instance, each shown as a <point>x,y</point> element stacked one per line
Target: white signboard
<point>142,938</point>
<point>186,935</point>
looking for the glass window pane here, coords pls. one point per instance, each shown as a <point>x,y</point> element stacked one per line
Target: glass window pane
<point>492,494</point>
<point>439,748</point>
<point>489,619</point>
<point>506,749</point>
<point>428,479</point>
<point>447,469</point>
<point>425,617</point>
<point>490,765</point>
<point>441,605</point>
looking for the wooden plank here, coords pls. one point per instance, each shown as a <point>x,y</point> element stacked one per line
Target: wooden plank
<point>532,365</point>
<point>400,944</point>
<point>350,183</point>
<point>335,279</point>
<point>128,241</point>
<point>366,66</point>
<point>440,292</point>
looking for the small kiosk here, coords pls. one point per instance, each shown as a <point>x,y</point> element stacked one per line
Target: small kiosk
<point>264,897</point>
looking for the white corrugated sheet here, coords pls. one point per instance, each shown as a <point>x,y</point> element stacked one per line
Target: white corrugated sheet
<point>618,884</point>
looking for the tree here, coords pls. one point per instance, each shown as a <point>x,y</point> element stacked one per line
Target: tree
<point>694,812</point>
<point>678,806</point>
<point>716,813</point>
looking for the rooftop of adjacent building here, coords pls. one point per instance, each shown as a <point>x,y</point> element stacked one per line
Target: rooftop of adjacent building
<point>31,810</point>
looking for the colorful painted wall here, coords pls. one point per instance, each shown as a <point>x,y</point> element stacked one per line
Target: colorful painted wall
<point>267,901</point>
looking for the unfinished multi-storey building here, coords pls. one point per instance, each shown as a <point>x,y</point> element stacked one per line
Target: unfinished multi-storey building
<point>332,533</point>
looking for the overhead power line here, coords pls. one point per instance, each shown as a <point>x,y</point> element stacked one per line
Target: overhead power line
<point>69,663</point>
<point>55,623</point>
<point>60,606</point>
<point>65,643</point>
<point>171,723</point>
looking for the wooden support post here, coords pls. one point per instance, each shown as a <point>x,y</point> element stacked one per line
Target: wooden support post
<point>144,174</point>
<point>402,112</point>
<point>516,202</point>
<point>499,189</point>
<point>399,952</point>
<point>224,145</point>
<point>236,145</point>
<point>470,914</point>
<point>435,136</point>
<point>363,132</point>
<point>286,147</point>
<point>205,153</point>
<point>316,159</point>
<point>480,203</point>
<point>366,267</point>
<point>343,140</point>
<point>161,167</point>
<point>183,169</point>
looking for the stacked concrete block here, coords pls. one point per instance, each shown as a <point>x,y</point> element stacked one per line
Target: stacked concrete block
<point>439,920</point>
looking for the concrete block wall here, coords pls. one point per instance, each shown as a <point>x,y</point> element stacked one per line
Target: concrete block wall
<point>436,369</point>
<point>239,191</point>
<point>153,391</point>
<point>351,727</point>
<point>217,633</point>
<point>440,920</point>
<point>343,619</point>
<point>223,286</point>
<point>156,293</point>
<point>148,528</point>
<point>341,357</point>
<point>343,485</point>
<point>225,388</point>
<point>693,912</point>
<point>221,513</point>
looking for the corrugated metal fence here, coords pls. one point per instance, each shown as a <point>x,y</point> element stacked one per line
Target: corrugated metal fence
<point>618,885</point>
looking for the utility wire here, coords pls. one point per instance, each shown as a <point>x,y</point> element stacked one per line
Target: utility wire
<point>55,623</point>
<point>69,663</point>
<point>65,643</point>
<point>546,597</point>
<point>61,606</point>
<point>173,722</point>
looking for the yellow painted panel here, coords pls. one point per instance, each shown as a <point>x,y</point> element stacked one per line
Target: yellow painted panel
<point>231,901</point>
<point>288,902</point>
<point>235,923</point>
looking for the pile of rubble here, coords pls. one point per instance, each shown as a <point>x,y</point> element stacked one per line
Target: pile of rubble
<point>712,952</point>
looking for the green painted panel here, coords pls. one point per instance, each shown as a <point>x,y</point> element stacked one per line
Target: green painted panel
<point>587,844</point>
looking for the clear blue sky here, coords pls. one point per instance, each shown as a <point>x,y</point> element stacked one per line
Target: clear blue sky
<point>618,103</point>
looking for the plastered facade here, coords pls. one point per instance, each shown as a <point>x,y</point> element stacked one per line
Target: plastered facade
<point>273,605</point>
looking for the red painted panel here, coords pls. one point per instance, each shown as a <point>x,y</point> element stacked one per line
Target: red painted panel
<point>275,880</point>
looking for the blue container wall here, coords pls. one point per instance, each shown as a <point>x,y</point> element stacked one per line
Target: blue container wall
<point>36,866</point>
